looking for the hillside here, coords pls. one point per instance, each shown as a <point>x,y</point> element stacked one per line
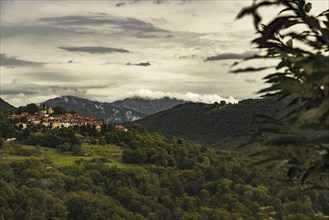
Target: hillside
<point>139,175</point>
<point>6,107</point>
<point>218,125</point>
<point>129,109</point>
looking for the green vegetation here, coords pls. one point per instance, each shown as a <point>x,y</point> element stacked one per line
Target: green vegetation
<point>299,39</point>
<point>134,174</point>
<point>219,125</point>
<point>13,152</point>
<point>161,178</point>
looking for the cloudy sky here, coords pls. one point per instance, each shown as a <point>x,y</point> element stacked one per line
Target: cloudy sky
<point>108,50</point>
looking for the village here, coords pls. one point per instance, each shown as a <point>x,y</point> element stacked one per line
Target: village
<point>47,118</point>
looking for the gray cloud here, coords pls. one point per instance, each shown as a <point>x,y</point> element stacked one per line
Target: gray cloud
<point>13,62</point>
<point>120,4</point>
<point>39,30</point>
<point>100,50</point>
<point>17,88</point>
<point>139,64</point>
<point>230,56</point>
<point>193,56</point>
<point>50,76</point>
<point>156,2</point>
<point>128,24</point>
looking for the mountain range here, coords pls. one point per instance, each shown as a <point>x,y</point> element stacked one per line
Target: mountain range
<point>129,109</point>
<point>217,125</point>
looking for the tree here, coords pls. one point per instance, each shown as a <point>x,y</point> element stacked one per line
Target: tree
<point>64,147</point>
<point>30,108</point>
<point>101,141</point>
<point>76,149</point>
<point>59,110</point>
<point>300,41</point>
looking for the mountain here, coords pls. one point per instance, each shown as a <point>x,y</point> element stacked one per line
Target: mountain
<point>148,106</point>
<point>6,107</point>
<point>129,109</point>
<point>217,125</point>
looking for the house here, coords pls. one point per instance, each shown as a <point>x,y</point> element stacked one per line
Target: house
<point>66,124</point>
<point>21,125</point>
<point>46,123</point>
<point>24,114</point>
<point>42,112</point>
<point>56,124</point>
<point>56,117</point>
<point>14,116</point>
<point>98,128</point>
<point>31,118</point>
<point>35,122</point>
<point>121,127</point>
<point>49,110</point>
<point>11,139</point>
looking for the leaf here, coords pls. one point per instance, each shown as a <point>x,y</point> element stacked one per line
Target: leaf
<point>289,43</point>
<point>312,174</point>
<point>286,9</point>
<point>314,113</point>
<point>270,89</point>
<point>278,24</point>
<point>308,7</point>
<point>249,69</point>
<point>287,140</point>
<point>321,140</point>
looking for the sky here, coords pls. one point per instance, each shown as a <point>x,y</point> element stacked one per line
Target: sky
<point>109,50</point>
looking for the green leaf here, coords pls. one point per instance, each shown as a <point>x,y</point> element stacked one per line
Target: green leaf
<point>314,113</point>
<point>308,7</point>
<point>249,69</point>
<point>283,10</point>
<point>287,140</point>
<point>289,43</point>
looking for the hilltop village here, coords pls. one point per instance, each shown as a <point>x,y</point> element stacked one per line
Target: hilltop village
<point>47,118</point>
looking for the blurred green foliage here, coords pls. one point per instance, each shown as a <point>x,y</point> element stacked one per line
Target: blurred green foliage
<point>298,141</point>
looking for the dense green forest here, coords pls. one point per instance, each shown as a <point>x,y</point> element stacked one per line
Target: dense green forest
<point>220,125</point>
<point>169,178</point>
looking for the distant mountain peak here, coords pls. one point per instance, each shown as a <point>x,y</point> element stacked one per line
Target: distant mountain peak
<point>129,109</point>
<point>6,107</point>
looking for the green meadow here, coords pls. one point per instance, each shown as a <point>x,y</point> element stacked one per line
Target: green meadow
<point>111,152</point>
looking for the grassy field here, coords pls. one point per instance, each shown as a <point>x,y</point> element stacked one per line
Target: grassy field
<point>111,152</point>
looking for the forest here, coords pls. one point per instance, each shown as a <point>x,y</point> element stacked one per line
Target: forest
<point>168,178</point>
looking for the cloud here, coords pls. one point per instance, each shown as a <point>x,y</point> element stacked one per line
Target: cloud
<point>189,96</point>
<point>40,30</point>
<point>20,93</point>
<point>193,56</point>
<point>127,24</point>
<point>120,4</point>
<point>50,76</point>
<point>100,50</point>
<point>230,56</point>
<point>139,64</point>
<point>14,62</point>
<point>156,2</point>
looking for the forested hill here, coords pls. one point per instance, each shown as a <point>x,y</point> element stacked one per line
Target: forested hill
<point>159,177</point>
<point>219,125</point>
<point>6,107</point>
